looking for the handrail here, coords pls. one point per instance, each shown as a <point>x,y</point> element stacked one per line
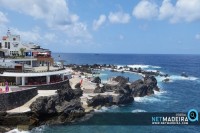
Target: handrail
<point>19,71</point>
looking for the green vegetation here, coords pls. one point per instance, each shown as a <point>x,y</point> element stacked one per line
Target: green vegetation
<point>22,51</point>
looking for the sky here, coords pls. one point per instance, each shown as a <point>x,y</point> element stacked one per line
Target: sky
<point>105,26</point>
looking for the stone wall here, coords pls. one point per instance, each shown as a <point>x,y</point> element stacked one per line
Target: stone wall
<point>53,86</point>
<point>15,99</point>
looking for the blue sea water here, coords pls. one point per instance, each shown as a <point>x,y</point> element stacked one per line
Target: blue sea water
<point>179,95</point>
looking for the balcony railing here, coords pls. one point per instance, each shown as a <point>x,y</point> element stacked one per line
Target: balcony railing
<point>28,71</point>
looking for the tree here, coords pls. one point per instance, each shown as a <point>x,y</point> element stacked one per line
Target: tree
<point>22,51</point>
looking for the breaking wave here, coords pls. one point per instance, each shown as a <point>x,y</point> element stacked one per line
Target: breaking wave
<point>105,109</point>
<point>138,110</point>
<point>144,66</point>
<point>17,131</point>
<point>156,97</point>
<point>176,77</point>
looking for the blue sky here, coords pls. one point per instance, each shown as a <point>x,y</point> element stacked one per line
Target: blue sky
<point>102,26</point>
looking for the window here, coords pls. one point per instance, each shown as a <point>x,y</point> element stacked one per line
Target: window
<point>5,44</point>
<point>8,45</point>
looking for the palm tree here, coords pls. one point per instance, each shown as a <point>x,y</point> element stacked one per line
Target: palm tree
<point>22,51</point>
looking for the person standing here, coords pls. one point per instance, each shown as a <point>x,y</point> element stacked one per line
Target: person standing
<point>7,87</point>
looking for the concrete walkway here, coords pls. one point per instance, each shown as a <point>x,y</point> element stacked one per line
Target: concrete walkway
<point>86,84</point>
<point>25,107</point>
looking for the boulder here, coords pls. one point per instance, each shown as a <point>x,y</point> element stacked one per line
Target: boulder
<point>150,80</point>
<point>9,121</point>
<point>125,94</point>
<point>45,105</point>
<point>99,100</point>
<point>156,88</point>
<point>78,92</point>
<point>99,89</point>
<point>96,80</point>
<point>66,106</point>
<point>109,87</point>
<point>123,89</point>
<point>66,94</point>
<point>123,99</point>
<point>136,83</point>
<point>184,75</point>
<point>77,86</point>
<point>66,112</point>
<point>39,106</point>
<point>166,80</point>
<point>141,90</point>
<point>121,79</point>
<point>112,70</point>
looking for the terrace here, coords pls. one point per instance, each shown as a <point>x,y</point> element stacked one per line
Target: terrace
<point>39,77</point>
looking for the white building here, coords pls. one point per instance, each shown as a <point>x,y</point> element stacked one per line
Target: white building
<point>32,67</point>
<point>11,45</point>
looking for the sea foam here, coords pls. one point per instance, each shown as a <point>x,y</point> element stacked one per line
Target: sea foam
<point>138,110</point>
<point>17,131</point>
<point>176,77</point>
<point>144,66</point>
<point>146,99</point>
<point>156,97</point>
<point>105,109</point>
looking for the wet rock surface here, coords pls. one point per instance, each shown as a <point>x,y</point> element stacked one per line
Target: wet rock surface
<point>97,80</point>
<point>58,107</point>
<point>99,100</point>
<point>144,87</point>
<point>99,89</point>
<point>121,79</point>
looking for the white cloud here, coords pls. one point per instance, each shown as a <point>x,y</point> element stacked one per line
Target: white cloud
<point>182,10</point>
<point>27,36</point>
<point>166,10</point>
<point>197,36</point>
<point>186,10</point>
<point>145,10</point>
<point>33,35</point>
<point>55,14</point>
<point>99,22</point>
<point>3,18</point>
<point>76,30</point>
<point>119,17</point>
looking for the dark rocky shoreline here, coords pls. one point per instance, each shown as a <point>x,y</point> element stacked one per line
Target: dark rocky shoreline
<point>63,107</point>
<point>66,106</point>
<point>89,69</point>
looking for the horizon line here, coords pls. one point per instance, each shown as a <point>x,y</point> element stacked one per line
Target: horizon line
<point>126,53</point>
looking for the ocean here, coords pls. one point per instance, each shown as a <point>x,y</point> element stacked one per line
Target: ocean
<point>179,95</point>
